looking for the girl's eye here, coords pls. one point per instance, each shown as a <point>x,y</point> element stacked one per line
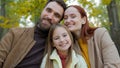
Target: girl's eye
<point>56,38</point>
<point>64,35</point>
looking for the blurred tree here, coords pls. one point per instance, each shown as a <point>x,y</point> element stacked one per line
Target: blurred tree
<point>2,14</point>
<point>11,11</point>
<point>115,26</point>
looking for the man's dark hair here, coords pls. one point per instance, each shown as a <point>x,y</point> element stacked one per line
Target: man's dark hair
<point>60,2</point>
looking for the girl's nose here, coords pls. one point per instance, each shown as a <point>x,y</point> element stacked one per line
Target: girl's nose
<point>62,39</point>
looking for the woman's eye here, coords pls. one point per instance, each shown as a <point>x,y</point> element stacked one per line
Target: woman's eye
<point>73,16</point>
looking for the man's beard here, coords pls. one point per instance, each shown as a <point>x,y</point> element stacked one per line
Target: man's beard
<point>42,28</point>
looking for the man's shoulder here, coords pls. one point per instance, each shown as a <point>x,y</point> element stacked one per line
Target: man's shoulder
<point>20,30</point>
<point>18,33</point>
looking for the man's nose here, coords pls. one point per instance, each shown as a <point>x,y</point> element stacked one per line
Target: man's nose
<point>50,15</point>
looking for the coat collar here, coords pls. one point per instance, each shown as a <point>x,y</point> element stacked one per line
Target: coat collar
<point>56,57</point>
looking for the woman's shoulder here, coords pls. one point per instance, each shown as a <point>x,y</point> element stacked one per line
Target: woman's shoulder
<point>100,31</point>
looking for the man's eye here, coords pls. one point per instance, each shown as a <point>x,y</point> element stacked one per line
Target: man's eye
<point>57,15</point>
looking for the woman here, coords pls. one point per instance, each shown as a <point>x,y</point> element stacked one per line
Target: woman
<point>96,45</point>
<point>59,50</point>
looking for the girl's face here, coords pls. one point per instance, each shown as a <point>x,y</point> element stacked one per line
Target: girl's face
<point>61,40</point>
<point>73,20</point>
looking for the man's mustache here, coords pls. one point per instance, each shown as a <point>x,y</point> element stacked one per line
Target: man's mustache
<point>48,19</point>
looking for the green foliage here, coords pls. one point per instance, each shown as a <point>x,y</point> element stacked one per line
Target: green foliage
<point>7,23</point>
<point>92,10</point>
<point>106,2</point>
<point>98,13</point>
<point>15,9</point>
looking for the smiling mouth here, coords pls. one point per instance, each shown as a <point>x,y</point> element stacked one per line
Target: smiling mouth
<point>63,45</point>
<point>69,26</point>
<point>46,22</point>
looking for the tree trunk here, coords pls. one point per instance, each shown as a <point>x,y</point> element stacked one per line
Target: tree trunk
<point>2,13</point>
<point>115,27</point>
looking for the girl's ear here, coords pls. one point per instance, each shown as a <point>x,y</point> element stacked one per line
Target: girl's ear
<point>84,20</point>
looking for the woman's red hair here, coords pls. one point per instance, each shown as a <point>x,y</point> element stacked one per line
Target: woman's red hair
<point>86,30</point>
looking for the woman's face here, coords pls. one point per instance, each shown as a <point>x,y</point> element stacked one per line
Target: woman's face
<point>73,20</point>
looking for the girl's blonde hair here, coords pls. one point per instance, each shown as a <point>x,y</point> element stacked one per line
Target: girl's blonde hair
<point>49,47</point>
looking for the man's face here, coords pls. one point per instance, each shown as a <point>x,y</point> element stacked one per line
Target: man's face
<point>51,14</point>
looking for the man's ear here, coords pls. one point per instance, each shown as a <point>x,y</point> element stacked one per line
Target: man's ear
<point>84,20</point>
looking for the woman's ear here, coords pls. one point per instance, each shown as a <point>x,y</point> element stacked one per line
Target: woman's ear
<point>84,20</point>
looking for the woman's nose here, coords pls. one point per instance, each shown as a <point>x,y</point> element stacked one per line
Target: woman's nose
<point>67,21</point>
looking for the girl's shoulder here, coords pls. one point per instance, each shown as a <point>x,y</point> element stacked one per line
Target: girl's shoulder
<point>76,56</point>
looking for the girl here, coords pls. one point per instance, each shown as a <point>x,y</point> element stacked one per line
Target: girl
<point>60,53</point>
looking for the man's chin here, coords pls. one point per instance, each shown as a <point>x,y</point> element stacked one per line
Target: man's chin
<point>44,29</point>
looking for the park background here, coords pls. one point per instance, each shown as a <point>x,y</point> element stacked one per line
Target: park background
<point>25,13</point>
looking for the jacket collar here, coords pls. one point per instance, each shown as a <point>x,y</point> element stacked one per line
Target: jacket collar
<point>39,32</point>
<point>56,57</point>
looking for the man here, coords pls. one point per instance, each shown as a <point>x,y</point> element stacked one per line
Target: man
<point>24,47</point>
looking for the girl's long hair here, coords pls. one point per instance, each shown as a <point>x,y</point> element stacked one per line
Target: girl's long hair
<point>49,47</point>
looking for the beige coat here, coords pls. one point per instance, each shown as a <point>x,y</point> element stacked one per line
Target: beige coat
<point>15,45</point>
<point>102,50</point>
